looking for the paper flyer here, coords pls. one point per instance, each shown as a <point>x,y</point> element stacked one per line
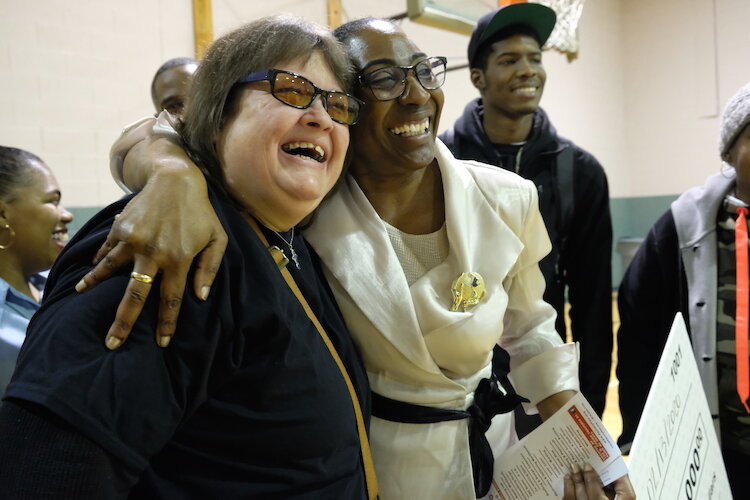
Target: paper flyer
<point>534,468</point>
<point>675,453</point>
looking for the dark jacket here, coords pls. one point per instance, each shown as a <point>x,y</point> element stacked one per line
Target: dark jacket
<point>650,295</point>
<point>674,270</point>
<point>580,261</point>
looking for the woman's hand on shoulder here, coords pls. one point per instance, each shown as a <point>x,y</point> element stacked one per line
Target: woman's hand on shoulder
<point>585,484</point>
<point>162,229</point>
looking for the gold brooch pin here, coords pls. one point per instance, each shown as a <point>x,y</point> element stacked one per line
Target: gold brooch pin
<point>468,290</point>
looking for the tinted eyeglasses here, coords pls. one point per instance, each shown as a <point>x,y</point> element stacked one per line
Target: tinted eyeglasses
<point>390,82</point>
<point>299,92</point>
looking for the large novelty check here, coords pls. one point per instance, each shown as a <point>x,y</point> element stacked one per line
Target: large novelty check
<point>675,453</point>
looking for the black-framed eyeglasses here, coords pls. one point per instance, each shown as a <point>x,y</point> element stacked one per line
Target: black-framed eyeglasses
<point>390,82</point>
<point>299,92</point>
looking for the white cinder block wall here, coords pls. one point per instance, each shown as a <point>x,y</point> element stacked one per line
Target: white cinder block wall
<point>643,95</point>
<point>74,73</point>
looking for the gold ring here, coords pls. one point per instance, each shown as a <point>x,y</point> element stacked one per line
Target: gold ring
<point>143,278</point>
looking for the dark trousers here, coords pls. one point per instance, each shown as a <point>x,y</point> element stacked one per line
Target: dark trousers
<point>738,466</point>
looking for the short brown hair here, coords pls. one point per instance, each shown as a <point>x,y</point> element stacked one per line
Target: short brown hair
<point>256,46</point>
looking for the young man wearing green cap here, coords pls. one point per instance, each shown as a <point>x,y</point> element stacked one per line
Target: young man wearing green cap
<point>506,127</point>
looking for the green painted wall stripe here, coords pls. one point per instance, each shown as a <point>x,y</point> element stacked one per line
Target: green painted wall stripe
<point>80,216</point>
<point>631,218</point>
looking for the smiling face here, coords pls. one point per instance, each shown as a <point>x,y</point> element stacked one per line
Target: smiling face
<point>400,133</point>
<point>278,161</point>
<point>513,81</point>
<point>38,219</point>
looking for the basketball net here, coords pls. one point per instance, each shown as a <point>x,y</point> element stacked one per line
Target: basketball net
<point>564,37</point>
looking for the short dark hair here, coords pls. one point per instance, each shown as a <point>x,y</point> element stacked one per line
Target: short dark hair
<point>15,170</point>
<point>171,63</point>
<point>256,46</point>
<point>480,61</point>
<point>352,28</point>
<point>349,30</point>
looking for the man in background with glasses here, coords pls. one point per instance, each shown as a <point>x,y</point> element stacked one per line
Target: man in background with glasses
<point>506,127</point>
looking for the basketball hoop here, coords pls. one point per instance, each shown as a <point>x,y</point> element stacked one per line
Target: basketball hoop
<point>564,37</point>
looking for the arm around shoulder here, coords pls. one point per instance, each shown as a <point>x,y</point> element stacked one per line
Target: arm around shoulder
<point>164,228</point>
<point>144,148</point>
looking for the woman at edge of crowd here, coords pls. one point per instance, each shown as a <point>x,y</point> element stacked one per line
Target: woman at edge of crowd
<point>201,418</point>
<point>687,264</point>
<point>405,184</point>
<point>32,234</point>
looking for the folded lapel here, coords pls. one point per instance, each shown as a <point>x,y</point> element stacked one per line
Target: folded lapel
<point>353,243</point>
<point>480,241</point>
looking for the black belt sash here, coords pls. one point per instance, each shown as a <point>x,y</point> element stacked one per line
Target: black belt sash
<point>489,400</point>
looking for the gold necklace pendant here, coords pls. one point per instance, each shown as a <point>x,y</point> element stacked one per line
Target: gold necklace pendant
<point>468,290</point>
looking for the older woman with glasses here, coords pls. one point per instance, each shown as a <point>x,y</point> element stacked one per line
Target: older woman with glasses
<point>262,393</point>
<point>432,262</point>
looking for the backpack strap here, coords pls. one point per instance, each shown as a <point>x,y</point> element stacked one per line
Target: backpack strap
<point>564,178</point>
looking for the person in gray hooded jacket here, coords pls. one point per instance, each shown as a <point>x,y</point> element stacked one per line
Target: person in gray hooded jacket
<point>687,264</point>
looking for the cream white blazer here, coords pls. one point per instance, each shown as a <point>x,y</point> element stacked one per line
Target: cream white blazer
<point>415,349</point>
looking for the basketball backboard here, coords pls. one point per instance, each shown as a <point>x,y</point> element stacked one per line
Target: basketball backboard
<point>459,16</point>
